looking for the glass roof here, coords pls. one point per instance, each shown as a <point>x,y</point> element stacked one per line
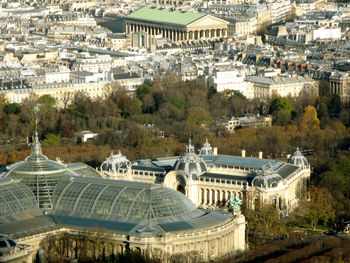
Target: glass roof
<point>240,161</point>
<point>15,198</point>
<point>42,174</point>
<point>83,170</point>
<point>121,201</point>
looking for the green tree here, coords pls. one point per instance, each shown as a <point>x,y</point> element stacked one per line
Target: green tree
<point>52,138</point>
<point>47,101</point>
<point>281,103</point>
<point>142,90</point>
<point>12,108</point>
<point>283,117</point>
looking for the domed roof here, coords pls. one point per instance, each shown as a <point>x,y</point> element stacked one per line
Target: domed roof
<point>123,201</point>
<point>40,174</point>
<point>190,163</point>
<point>298,159</point>
<point>206,148</point>
<point>15,199</point>
<point>267,178</point>
<point>115,162</point>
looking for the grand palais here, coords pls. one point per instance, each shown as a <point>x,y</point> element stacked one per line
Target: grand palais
<point>163,207</point>
<point>69,212</point>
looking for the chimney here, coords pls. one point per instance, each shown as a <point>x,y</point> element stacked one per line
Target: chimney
<point>243,153</point>
<point>260,155</point>
<point>215,149</point>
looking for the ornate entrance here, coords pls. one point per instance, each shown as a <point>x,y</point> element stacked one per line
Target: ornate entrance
<point>175,181</point>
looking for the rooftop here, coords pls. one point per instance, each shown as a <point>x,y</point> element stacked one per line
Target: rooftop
<point>165,16</point>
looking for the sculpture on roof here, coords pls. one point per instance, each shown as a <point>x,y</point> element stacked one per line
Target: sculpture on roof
<point>235,204</point>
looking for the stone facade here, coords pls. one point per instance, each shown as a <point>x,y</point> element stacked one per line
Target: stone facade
<point>205,27</point>
<point>211,187</point>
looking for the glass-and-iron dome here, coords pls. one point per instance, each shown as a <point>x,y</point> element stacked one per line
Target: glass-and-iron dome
<point>15,198</point>
<point>59,195</point>
<point>191,164</point>
<point>115,162</point>
<point>298,159</point>
<point>40,174</point>
<point>140,203</point>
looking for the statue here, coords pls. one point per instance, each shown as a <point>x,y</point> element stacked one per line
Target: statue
<point>235,204</point>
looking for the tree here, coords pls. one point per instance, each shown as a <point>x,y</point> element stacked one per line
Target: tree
<point>283,117</point>
<point>309,121</point>
<point>197,116</point>
<point>128,106</point>
<point>264,221</point>
<point>281,103</point>
<point>12,108</point>
<point>323,113</point>
<point>142,90</point>
<point>320,207</point>
<point>52,138</point>
<point>281,109</point>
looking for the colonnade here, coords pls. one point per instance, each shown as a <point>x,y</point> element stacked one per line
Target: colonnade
<point>177,34</point>
<point>336,87</point>
<point>209,196</point>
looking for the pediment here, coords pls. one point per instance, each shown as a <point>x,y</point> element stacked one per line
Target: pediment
<point>208,21</point>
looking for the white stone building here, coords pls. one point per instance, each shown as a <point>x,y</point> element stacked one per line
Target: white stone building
<point>210,179</point>
<point>98,63</point>
<point>282,85</point>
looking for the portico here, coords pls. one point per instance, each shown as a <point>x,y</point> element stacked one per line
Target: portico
<point>175,25</point>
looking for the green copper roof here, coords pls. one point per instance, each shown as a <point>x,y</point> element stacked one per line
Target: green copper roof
<point>165,16</point>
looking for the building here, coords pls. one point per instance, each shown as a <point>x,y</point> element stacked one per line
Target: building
<point>209,179</point>
<point>94,64</point>
<point>176,25</point>
<point>282,85</point>
<point>228,80</point>
<point>248,121</point>
<point>339,83</point>
<point>62,92</point>
<point>70,212</point>
<point>279,10</point>
<point>10,252</point>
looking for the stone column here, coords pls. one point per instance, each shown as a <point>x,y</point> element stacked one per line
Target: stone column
<point>205,196</point>
<point>210,197</point>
